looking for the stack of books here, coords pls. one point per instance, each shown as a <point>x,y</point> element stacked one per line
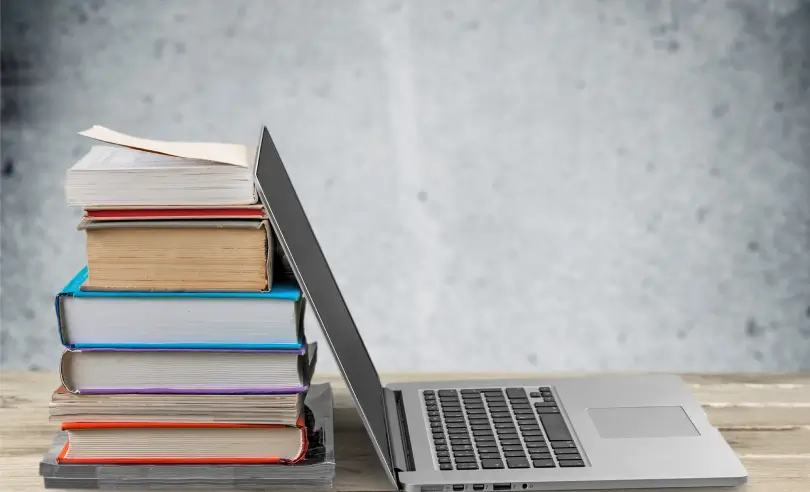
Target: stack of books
<point>182,347</point>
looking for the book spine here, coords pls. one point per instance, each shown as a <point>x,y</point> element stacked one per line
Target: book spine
<point>64,371</point>
<point>60,319</point>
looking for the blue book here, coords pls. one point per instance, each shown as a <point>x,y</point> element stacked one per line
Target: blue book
<point>180,320</point>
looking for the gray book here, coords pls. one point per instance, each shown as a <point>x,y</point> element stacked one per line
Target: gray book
<point>316,470</point>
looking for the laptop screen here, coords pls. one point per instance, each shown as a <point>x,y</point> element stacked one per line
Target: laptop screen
<point>294,234</point>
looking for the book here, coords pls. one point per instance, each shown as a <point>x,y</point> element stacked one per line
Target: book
<point>315,470</point>
<point>182,443</point>
<point>137,171</point>
<point>182,320</point>
<point>192,371</point>
<point>176,213</point>
<point>282,409</point>
<point>177,255</point>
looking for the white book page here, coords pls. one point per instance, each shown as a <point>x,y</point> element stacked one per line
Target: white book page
<point>107,158</point>
<point>225,153</point>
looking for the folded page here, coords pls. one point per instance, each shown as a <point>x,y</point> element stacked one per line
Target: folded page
<point>234,154</point>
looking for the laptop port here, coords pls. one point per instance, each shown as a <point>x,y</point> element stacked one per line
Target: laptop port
<point>458,487</point>
<point>478,486</point>
<point>502,486</point>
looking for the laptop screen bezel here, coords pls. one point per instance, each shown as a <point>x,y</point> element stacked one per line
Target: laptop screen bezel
<point>284,202</point>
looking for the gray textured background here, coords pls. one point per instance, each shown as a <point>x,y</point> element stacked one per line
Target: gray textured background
<point>511,185</point>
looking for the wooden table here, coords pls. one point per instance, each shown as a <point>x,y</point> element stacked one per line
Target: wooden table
<point>765,418</point>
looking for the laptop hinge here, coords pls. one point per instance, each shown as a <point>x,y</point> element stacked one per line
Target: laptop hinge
<point>398,437</point>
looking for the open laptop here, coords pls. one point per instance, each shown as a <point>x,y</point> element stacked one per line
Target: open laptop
<point>619,432</point>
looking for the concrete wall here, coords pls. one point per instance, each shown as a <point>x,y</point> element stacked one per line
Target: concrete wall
<point>507,185</point>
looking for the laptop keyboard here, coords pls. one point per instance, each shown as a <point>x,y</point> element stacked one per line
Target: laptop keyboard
<point>496,428</point>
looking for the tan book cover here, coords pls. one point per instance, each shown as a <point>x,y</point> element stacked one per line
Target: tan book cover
<point>179,255</point>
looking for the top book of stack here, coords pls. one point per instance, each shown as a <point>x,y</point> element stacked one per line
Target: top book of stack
<point>148,173</point>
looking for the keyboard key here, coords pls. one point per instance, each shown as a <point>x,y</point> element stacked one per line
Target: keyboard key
<point>541,404</point>
<point>484,439</point>
<point>470,392</point>
<point>511,442</point>
<point>445,460</point>
<point>489,449</point>
<point>455,442</point>
<point>466,466</point>
<point>458,430</point>
<point>529,426</point>
<point>556,430</point>
<point>515,392</point>
<point>441,447</point>
<point>523,411</point>
<point>568,457</point>
<point>540,456</point>
<point>572,463</point>
<point>543,463</point>
<point>463,453</point>
<point>543,388</point>
<point>456,425</point>
<point>508,425</point>
<point>525,432</point>
<point>537,447</point>
<point>493,405</point>
<point>514,454</point>
<point>492,464</point>
<point>529,439</point>
<point>512,447</point>
<point>442,454</point>
<point>447,393</point>
<point>490,391</point>
<point>454,420</point>
<point>548,398</point>
<point>428,392</point>
<point>562,444</point>
<point>462,447</point>
<point>535,394</point>
<point>517,462</point>
<point>566,451</point>
<point>476,411</point>
<point>490,456</point>
<point>445,466</point>
<point>547,409</point>
<point>439,441</point>
<point>527,418</point>
<point>465,459</point>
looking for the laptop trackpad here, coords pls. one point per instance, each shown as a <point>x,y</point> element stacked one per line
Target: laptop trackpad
<point>642,422</point>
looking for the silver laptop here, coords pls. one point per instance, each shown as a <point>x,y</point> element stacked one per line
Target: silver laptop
<point>619,432</point>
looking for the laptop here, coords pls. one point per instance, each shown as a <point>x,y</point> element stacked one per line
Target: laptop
<point>568,433</point>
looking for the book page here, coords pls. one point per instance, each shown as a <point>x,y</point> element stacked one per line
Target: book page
<point>233,154</point>
<point>102,157</point>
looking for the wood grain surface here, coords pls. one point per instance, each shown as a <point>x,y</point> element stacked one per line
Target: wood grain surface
<point>765,418</point>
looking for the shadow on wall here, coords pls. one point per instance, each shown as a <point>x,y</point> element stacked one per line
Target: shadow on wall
<point>24,31</point>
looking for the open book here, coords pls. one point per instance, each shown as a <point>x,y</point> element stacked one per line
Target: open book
<point>142,173</point>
